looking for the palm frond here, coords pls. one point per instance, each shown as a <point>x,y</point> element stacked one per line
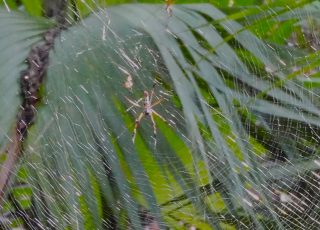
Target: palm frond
<point>84,168</point>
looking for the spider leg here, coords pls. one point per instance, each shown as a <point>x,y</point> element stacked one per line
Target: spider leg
<point>158,115</point>
<point>157,102</point>
<point>137,123</point>
<point>154,125</point>
<point>152,91</point>
<point>133,103</point>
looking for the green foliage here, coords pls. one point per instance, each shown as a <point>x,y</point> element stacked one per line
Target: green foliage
<point>228,89</point>
<point>33,7</point>
<point>18,34</point>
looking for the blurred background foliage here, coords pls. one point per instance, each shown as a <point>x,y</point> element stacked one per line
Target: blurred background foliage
<point>270,119</point>
<point>242,10</point>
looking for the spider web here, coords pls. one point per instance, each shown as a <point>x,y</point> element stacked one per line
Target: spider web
<point>249,160</point>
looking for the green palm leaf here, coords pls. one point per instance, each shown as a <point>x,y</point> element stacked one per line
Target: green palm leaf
<point>18,34</point>
<point>85,170</point>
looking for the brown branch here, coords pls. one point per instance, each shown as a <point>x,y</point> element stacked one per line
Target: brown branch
<point>13,153</point>
<point>30,82</point>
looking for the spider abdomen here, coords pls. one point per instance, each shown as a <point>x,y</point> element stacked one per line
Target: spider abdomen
<point>147,111</point>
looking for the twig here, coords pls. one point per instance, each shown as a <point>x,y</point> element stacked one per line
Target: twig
<point>13,153</point>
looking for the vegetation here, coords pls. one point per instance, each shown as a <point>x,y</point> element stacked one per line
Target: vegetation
<point>236,84</point>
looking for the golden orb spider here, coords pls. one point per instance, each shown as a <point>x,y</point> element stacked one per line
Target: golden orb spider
<point>148,110</point>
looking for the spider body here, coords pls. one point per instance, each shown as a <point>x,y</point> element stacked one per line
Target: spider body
<point>147,104</point>
<point>148,111</point>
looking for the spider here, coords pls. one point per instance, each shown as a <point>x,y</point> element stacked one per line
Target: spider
<point>148,110</point>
